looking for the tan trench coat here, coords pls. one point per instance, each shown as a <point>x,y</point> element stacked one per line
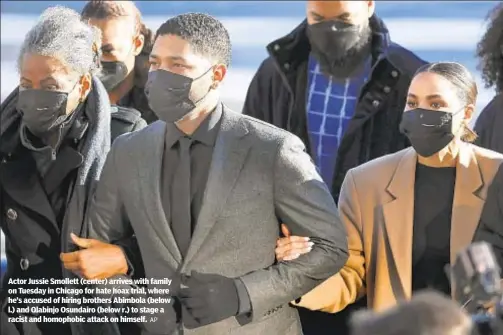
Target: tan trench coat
<point>377,207</point>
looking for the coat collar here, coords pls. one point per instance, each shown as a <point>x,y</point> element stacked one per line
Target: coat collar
<point>399,211</point>
<point>290,51</point>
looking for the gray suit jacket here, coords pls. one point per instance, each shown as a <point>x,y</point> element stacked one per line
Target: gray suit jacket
<point>260,175</point>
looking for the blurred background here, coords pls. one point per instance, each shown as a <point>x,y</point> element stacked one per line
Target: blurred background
<point>435,30</point>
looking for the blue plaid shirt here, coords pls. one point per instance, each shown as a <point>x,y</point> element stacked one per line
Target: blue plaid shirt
<point>330,106</point>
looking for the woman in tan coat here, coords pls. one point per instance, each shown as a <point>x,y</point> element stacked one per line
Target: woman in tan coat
<point>409,213</point>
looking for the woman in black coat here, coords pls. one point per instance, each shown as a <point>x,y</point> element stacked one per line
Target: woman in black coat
<point>54,138</point>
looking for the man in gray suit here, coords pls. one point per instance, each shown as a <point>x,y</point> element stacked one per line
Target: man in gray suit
<point>204,191</point>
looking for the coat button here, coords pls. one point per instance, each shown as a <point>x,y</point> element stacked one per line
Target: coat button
<point>394,74</point>
<point>387,89</point>
<point>11,214</point>
<point>375,103</point>
<point>276,47</point>
<point>24,264</point>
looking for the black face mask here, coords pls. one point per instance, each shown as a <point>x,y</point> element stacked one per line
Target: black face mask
<point>172,96</point>
<point>428,131</point>
<point>112,74</point>
<point>43,111</point>
<point>339,47</point>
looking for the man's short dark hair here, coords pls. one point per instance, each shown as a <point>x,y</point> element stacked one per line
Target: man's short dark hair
<point>428,313</point>
<point>207,36</point>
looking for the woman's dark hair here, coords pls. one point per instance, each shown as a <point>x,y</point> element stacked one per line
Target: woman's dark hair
<point>490,51</point>
<point>462,80</point>
<point>100,9</point>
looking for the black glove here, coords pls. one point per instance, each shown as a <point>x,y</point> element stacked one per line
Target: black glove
<point>209,298</point>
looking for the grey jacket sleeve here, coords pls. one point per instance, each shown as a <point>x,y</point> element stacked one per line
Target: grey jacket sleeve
<point>304,203</point>
<point>109,223</point>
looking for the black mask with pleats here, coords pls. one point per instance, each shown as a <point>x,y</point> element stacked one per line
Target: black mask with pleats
<point>428,131</point>
<point>172,96</point>
<point>112,74</point>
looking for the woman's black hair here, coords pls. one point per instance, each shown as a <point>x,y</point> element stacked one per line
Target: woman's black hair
<point>462,80</point>
<point>490,51</point>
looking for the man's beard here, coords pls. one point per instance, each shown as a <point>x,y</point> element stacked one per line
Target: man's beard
<point>350,62</point>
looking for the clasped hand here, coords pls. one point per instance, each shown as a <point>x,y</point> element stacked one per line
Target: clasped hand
<point>208,298</point>
<point>95,259</point>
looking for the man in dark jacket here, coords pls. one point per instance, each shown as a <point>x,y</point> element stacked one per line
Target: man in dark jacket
<point>340,84</point>
<point>126,45</point>
<point>336,80</point>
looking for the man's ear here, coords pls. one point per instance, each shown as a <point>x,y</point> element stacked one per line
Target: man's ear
<point>219,72</point>
<point>138,44</point>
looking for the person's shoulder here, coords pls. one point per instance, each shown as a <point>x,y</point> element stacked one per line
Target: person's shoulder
<point>380,166</point>
<point>125,115</point>
<point>125,120</point>
<point>137,139</point>
<point>489,162</point>
<point>486,155</point>
<point>267,69</point>
<point>491,109</point>
<point>404,59</point>
<point>262,130</point>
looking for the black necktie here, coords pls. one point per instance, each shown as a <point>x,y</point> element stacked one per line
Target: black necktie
<point>180,198</point>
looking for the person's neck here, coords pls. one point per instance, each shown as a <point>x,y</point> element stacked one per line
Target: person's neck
<point>124,87</point>
<point>447,157</point>
<point>52,139</point>
<point>56,136</point>
<point>189,124</point>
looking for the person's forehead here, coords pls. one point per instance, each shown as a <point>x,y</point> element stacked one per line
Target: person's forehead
<point>114,29</point>
<point>166,46</point>
<point>428,83</point>
<point>37,68</point>
<point>335,8</point>
<point>34,63</point>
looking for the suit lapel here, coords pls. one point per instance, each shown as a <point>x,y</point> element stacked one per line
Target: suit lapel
<point>399,217</point>
<point>467,205</point>
<point>231,149</point>
<point>150,178</point>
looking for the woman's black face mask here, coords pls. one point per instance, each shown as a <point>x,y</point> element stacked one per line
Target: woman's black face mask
<point>112,74</point>
<point>43,111</point>
<point>428,131</point>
